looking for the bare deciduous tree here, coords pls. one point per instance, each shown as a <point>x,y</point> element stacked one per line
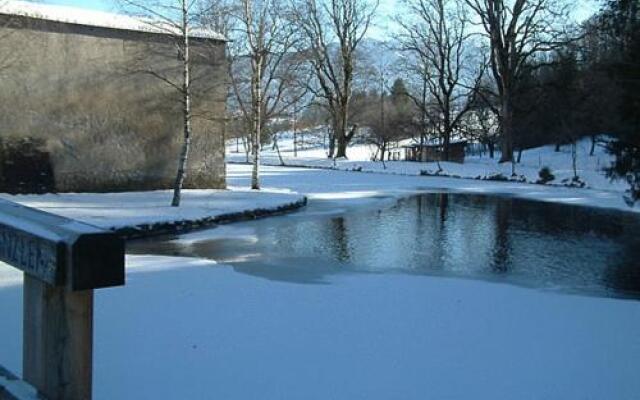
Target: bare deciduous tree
<point>517,30</point>
<point>331,31</point>
<point>436,34</point>
<point>264,66</point>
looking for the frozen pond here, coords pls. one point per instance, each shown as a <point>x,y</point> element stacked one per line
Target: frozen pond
<point>499,238</point>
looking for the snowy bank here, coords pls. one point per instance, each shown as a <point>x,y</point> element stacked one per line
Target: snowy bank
<point>136,214</point>
<point>589,167</point>
<point>340,189</point>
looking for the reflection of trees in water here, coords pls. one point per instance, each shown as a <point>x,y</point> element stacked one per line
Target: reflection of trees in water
<point>502,245</point>
<point>623,273</point>
<point>430,231</point>
<point>443,200</point>
<point>340,239</point>
<point>451,232</point>
<point>565,220</point>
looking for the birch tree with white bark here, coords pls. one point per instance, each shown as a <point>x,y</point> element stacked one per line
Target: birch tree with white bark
<point>264,66</point>
<point>177,19</point>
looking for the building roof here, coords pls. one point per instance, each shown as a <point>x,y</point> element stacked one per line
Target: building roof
<point>86,17</point>
<point>454,142</point>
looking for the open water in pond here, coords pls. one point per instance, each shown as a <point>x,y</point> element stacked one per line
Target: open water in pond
<point>541,245</point>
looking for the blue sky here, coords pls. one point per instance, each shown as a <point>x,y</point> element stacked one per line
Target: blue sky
<point>582,9</point>
<point>102,5</point>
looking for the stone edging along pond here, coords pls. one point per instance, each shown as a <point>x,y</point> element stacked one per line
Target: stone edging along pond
<point>183,226</point>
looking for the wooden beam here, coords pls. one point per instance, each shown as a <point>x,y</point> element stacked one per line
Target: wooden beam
<point>58,250</point>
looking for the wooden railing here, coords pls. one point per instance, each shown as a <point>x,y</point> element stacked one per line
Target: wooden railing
<point>63,262</point>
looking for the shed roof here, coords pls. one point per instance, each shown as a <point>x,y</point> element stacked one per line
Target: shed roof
<point>102,19</point>
<point>431,145</point>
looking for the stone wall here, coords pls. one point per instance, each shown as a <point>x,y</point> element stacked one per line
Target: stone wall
<point>89,95</point>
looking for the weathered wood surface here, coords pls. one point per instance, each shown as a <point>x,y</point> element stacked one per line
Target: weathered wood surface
<point>63,261</point>
<point>60,251</point>
<point>58,340</point>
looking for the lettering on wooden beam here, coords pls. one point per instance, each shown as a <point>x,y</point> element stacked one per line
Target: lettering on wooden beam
<point>59,251</point>
<point>31,254</point>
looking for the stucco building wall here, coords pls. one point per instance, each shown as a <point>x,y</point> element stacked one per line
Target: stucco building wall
<point>87,94</point>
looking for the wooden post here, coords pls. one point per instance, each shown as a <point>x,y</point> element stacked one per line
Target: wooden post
<point>58,340</point>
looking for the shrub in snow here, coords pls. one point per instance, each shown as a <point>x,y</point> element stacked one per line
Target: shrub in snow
<point>25,166</point>
<point>496,177</point>
<point>575,182</point>
<point>626,165</point>
<point>545,175</point>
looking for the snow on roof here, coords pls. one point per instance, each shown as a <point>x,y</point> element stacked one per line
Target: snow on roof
<point>82,16</point>
<point>432,142</point>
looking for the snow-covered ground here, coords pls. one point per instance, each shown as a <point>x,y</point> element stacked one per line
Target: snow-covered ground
<point>138,209</point>
<point>189,328</point>
<point>312,153</point>
<point>192,329</point>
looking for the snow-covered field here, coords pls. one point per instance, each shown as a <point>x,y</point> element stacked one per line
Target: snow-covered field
<point>135,209</point>
<point>312,153</point>
<point>188,328</point>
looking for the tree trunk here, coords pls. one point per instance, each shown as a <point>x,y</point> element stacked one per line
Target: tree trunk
<point>446,142</point>
<point>246,142</point>
<point>519,154</point>
<point>446,146</point>
<point>275,143</point>
<point>574,159</point>
<point>507,130</point>
<point>342,147</point>
<point>257,125</point>
<point>295,139</point>
<point>492,149</point>
<point>186,112</point>
<point>332,140</point>
<point>593,146</point>
<point>341,134</point>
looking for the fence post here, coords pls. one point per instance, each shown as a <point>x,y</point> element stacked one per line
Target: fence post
<point>58,340</point>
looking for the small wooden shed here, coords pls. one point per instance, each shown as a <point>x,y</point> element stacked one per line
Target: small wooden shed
<point>435,152</point>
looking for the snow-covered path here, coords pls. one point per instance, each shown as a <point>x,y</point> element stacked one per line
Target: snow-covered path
<point>194,329</point>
